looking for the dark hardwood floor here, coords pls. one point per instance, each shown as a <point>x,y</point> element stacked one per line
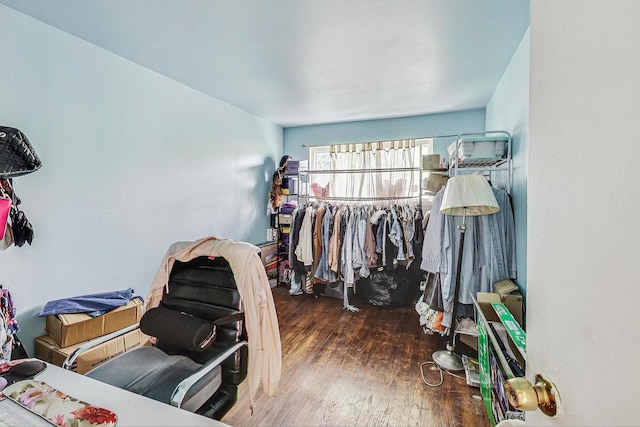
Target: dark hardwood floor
<point>357,369</point>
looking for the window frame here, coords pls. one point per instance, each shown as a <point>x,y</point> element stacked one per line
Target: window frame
<point>423,145</point>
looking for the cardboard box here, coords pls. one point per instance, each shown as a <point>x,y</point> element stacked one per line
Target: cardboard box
<point>492,373</point>
<point>69,329</point>
<point>512,298</point>
<point>485,299</point>
<point>435,181</point>
<point>469,340</point>
<point>48,350</point>
<point>431,161</point>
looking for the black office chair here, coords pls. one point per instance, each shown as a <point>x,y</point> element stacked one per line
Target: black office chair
<point>200,354</point>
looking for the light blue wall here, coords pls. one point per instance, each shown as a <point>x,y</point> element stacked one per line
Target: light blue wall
<point>383,130</point>
<point>508,110</point>
<point>132,162</point>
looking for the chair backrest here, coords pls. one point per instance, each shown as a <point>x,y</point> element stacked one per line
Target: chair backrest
<point>206,288</point>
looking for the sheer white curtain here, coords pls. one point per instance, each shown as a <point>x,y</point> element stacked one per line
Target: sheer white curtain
<point>375,170</point>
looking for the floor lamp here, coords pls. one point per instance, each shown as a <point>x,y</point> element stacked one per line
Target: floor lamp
<point>464,195</point>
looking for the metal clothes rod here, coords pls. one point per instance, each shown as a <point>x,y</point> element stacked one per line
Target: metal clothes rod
<point>329,172</point>
<point>367,199</point>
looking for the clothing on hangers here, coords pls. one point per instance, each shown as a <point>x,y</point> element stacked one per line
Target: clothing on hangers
<point>343,242</point>
<point>489,252</point>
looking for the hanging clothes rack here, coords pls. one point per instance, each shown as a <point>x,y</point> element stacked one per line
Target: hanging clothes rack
<point>364,208</point>
<point>363,199</point>
<point>374,188</point>
<point>359,237</point>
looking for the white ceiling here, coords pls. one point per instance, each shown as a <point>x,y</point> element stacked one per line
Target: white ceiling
<point>298,62</point>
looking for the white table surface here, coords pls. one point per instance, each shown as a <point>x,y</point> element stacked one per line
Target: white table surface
<point>131,409</point>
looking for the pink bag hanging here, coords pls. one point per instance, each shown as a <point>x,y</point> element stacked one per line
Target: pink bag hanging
<point>5,208</point>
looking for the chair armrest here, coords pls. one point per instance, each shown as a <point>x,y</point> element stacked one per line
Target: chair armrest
<point>68,362</point>
<point>232,318</point>
<point>181,390</point>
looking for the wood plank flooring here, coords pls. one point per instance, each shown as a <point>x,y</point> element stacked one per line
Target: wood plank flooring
<point>357,369</point>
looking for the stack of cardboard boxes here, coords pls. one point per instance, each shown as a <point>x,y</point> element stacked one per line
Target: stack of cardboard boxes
<point>506,292</point>
<point>67,332</point>
<point>503,309</point>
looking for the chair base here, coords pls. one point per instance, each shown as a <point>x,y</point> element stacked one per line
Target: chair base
<point>220,403</point>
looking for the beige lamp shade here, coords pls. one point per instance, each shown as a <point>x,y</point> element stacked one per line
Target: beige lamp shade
<point>469,195</point>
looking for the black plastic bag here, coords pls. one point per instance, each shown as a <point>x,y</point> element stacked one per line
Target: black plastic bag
<point>390,288</point>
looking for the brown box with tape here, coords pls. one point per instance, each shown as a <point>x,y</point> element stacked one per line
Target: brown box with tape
<point>431,161</point>
<point>435,181</point>
<point>47,349</point>
<point>69,329</point>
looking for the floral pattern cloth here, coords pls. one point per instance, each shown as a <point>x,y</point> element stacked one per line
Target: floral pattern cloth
<point>58,407</point>
<point>5,366</point>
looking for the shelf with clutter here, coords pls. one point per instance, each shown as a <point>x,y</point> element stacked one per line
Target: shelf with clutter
<point>287,187</point>
<point>465,201</point>
<point>487,153</point>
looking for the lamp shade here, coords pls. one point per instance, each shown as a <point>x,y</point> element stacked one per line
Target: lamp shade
<point>469,195</point>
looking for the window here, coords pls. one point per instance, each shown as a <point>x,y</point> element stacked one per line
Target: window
<point>376,170</point>
<point>319,160</point>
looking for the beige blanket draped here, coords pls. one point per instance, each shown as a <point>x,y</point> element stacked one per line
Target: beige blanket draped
<point>261,322</point>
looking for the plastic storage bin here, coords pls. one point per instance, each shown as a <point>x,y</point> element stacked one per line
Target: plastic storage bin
<point>480,147</point>
<point>485,147</point>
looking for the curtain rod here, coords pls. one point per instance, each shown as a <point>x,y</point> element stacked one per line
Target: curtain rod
<point>335,171</point>
<point>389,140</point>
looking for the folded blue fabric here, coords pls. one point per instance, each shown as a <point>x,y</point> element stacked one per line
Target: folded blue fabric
<point>101,302</point>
